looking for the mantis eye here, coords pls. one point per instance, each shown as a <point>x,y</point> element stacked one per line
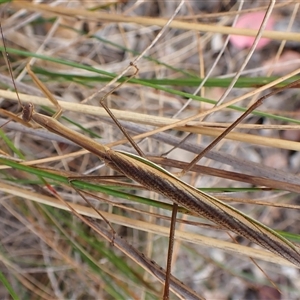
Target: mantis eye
<point>27,112</point>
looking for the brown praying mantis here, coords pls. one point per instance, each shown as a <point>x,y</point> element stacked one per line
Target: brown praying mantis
<point>157,179</point>
<point>161,181</point>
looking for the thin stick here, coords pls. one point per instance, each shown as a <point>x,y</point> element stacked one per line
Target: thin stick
<point>104,105</point>
<point>166,295</point>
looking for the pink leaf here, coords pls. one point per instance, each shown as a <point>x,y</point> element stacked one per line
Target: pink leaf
<point>251,21</point>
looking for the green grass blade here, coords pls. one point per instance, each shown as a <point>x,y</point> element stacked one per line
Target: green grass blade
<point>144,83</point>
<point>8,286</point>
<point>11,145</point>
